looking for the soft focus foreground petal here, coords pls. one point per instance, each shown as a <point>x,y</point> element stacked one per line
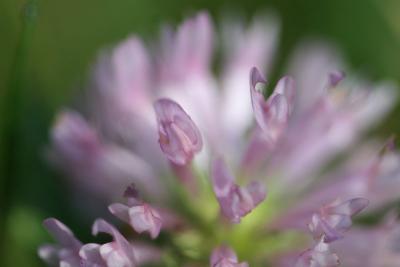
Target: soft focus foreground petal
<point>120,99</point>
<point>61,233</point>
<point>235,201</point>
<point>244,47</point>
<point>327,129</point>
<point>371,247</point>
<point>74,142</point>
<point>318,256</point>
<point>66,251</point>
<point>225,257</point>
<point>179,137</point>
<point>118,252</point>
<point>310,65</point>
<point>370,174</point>
<point>334,219</point>
<point>188,52</point>
<point>90,253</point>
<point>98,167</point>
<point>121,82</point>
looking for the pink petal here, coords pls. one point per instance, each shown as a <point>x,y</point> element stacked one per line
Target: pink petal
<point>90,253</point>
<point>235,202</point>
<point>257,98</point>
<point>335,77</point>
<point>62,233</point>
<point>272,114</point>
<point>119,250</point>
<point>73,139</point>
<point>225,257</point>
<point>188,52</point>
<point>318,256</point>
<point>179,137</point>
<point>120,211</point>
<point>335,219</point>
<point>286,87</point>
<point>144,218</point>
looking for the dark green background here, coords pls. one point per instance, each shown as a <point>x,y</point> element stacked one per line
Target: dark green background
<point>46,50</point>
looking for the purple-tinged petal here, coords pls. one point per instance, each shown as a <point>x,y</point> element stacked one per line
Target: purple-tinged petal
<point>235,202</point>
<point>179,137</point>
<point>132,195</point>
<point>257,99</point>
<point>147,254</point>
<point>145,218</point>
<point>61,233</point>
<point>225,257</point>
<point>141,216</point>
<point>120,211</point>
<point>272,114</point>
<point>286,87</point>
<point>118,252</point>
<point>318,256</point>
<point>49,254</point>
<point>244,47</point>
<point>334,219</point>
<point>66,252</point>
<point>372,246</point>
<point>74,141</point>
<point>335,77</point>
<point>188,51</point>
<point>90,253</point>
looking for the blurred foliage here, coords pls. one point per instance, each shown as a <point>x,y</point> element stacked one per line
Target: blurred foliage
<point>46,50</point>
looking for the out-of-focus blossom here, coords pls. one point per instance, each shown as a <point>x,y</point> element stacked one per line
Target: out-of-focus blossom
<point>376,246</point>
<point>305,142</point>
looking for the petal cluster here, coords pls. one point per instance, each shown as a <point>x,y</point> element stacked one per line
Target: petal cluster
<point>141,216</point>
<point>235,201</point>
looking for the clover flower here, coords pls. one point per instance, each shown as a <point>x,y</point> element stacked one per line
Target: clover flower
<point>204,149</point>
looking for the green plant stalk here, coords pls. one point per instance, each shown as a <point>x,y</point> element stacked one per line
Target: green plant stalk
<point>12,112</point>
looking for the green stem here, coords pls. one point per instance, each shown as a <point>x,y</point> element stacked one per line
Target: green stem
<point>11,110</point>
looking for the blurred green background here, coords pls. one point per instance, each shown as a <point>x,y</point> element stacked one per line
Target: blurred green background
<point>47,46</point>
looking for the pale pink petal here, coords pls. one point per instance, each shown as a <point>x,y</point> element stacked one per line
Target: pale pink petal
<point>235,201</point>
<point>117,252</point>
<point>179,137</point>
<point>62,233</point>
<point>90,253</point>
<point>225,257</point>
<point>335,219</point>
<point>243,48</point>
<point>272,114</point>
<point>145,218</point>
<point>318,256</point>
<point>188,52</point>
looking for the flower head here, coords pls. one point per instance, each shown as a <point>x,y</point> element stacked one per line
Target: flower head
<point>178,156</point>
